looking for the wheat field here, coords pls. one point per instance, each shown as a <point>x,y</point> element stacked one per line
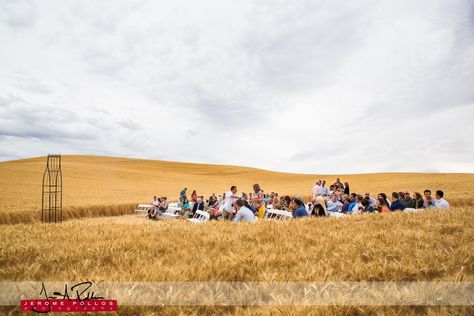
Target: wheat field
<point>95,185</point>
<point>424,246</point>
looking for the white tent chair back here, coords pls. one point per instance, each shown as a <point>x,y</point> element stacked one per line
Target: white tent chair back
<point>278,215</point>
<point>142,209</point>
<point>171,213</point>
<point>173,204</point>
<point>199,217</point>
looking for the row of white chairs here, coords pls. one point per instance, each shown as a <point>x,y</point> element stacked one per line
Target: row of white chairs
<point>173,211</point>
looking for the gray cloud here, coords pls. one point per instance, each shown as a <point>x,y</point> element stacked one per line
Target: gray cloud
<point>304,86</point>
<point>19,14</point>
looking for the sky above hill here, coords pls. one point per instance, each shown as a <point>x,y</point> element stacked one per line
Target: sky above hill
<point>296,86</point>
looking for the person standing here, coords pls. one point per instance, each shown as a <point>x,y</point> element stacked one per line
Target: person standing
<point>182,194</point>
<point>338,184</point>
<point>324,190</point>
<point>316,189</point>
<point>194,196</point>
<point>230,197</point>
<point>347,190</point>
<point>258,200</point>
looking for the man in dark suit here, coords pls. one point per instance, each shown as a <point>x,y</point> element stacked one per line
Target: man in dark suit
<point>396,203</point>
<point>199,205</point>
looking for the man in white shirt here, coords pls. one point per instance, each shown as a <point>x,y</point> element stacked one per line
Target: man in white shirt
<point>440,201</point>
<point>230,198</point>
<point>323,189</point>
<point>244,214</point>
<point>317,189</point>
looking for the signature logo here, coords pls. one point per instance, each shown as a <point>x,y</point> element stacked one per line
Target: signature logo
<point>76,298</point>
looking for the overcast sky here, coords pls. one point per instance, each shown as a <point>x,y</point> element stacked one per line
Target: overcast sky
<point>295,86</point>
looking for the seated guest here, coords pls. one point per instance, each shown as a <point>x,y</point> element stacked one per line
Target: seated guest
<point>396,204</point>
<point>213,206</point>
<point>163,205</point>
<point>299,209</point>
<point>213,202</point>
<point>154,204</point>
<point>357,208</point>
<point>285,204</point>
<point>184,205</point>
<point>345,203</point>
<point>276,200</point>
<point>199,205</point>
<point>352,200</point>
<point>246,202</point>
<point>367,206</point>
<point>407,200</point>
<point>440,201</point>
<point>215,209</point>
<point>382,205</point>
<point>244,214</point>
<point>384,197</point>
<point>372,201</point>
<point>418,200</point>
<point>334,205</point>
<point>319,206</point>
<point>429,201</point>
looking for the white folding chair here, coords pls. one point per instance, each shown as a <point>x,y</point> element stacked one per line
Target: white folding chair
<point>199,217</point>
<point>142,209</point>
<point>278,215</point>
<point>170,213</point>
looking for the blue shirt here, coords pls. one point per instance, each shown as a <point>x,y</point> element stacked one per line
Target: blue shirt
<point>300,212</point>
<point>351,206</point>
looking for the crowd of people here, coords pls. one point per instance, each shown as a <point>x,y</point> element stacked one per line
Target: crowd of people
<point>335,200</point>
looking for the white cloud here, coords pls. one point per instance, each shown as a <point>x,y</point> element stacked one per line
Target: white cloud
<point>302,86</point>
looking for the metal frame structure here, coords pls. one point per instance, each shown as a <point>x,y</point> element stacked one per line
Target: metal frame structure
<point>52,198</point>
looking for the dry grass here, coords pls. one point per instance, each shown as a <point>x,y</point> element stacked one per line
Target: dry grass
<point>431,245</point>
<point>426,246</point>
<point>71,212</point>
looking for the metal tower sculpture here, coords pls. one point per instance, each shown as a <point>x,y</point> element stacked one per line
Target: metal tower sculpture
<point>52,201</point>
